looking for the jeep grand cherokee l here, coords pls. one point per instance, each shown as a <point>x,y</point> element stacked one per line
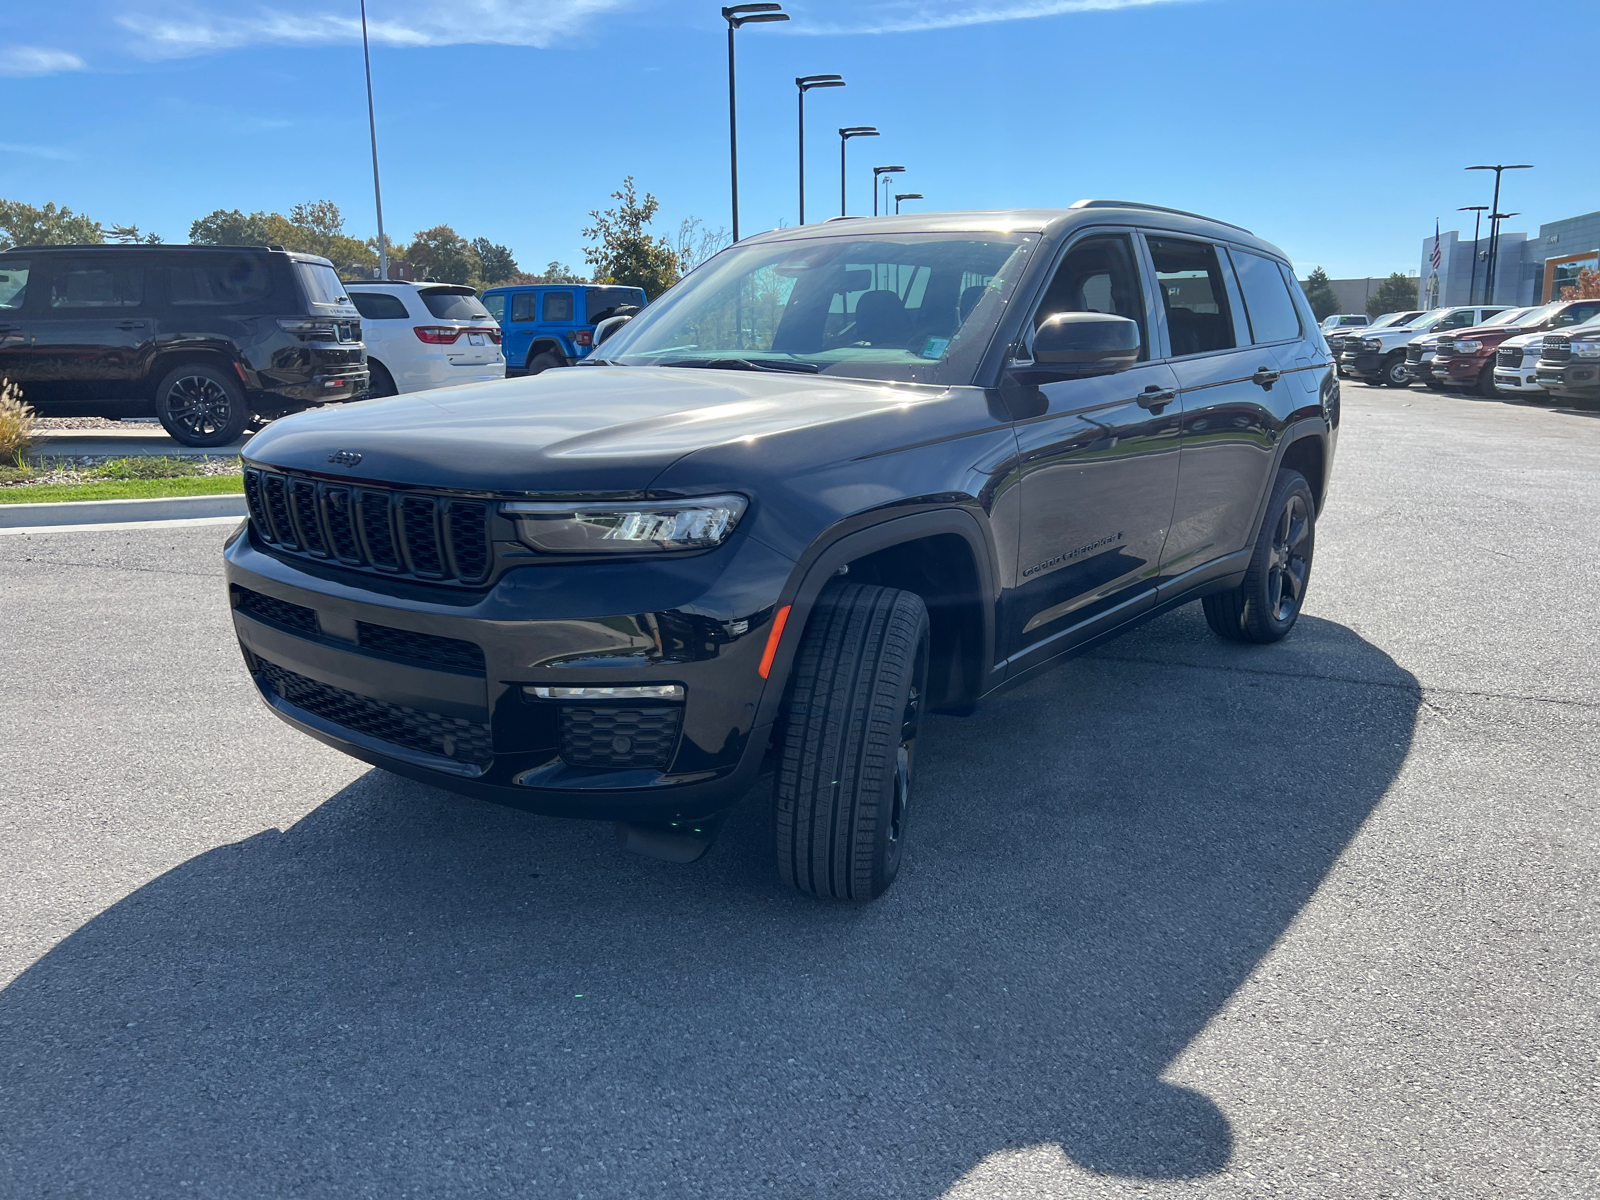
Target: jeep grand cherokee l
<point>209,339</point>
<point>838,477</point>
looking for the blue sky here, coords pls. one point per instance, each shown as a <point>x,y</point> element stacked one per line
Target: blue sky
<point>1336,130</point>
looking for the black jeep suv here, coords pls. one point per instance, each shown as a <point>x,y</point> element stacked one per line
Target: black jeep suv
<point>837,477</point>
<point>209,339</point>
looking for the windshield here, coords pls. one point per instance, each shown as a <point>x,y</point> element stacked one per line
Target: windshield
<point>1513,316</point>
<point>1429,319</point>
<point>1389,320</point>
<point>451,305</point>
<point>911,307</point>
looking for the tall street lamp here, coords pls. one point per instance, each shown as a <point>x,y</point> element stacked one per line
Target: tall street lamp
<point>372,127</point>
<point>1479,210</point>
<point>805,83</point>
<point>877,177</point>
<point>845,135</point>
<point>737,15</point>
<point>899,196</point>
<point>1495,217</point>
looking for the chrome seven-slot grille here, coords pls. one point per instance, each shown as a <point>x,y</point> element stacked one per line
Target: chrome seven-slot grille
<point>1557,348</point>
<point>371,528</point>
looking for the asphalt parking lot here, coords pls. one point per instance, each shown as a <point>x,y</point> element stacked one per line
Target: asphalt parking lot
<point>1181,919</point>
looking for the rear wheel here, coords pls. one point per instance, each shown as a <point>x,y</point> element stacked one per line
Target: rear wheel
<point>545,360</point>
<point>843,786</point>
<point>1395,373</point>
<point>200,406</point>
<point>382,382</point>
<point>1266,605</point>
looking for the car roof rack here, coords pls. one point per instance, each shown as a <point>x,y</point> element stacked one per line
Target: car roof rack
<point>842,217</point>
<point>1177,212</point>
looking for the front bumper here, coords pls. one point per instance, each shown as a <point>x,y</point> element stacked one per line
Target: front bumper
<point>334,653</point>
<point>1577,379</point>
<point>1518,379</point>
<point>1459,371</point>
<point>1362,362</point>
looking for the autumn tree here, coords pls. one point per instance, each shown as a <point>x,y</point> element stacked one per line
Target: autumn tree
<point>24,225</point>
<point>443,254</point>
<point>1588,287</point>
<point>314,228</point>
<point>622,251</point>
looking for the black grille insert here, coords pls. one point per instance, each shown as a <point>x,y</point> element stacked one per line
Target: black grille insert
<point>618,736</point>
<point>375,529</point>
<point>1413,354</point>
<point>1557,348</point>
<point>431,733</point>
<point>1509,358</point>
<point>421,647</point>
<point>280,612</point>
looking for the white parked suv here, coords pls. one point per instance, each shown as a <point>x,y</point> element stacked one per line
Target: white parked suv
<point>426,335</point>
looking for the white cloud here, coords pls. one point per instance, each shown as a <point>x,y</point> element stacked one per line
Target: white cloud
<point>174,31</point>
<point>915,17</point>
<point>37,60</point>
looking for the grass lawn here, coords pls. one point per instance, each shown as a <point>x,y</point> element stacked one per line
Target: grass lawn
<point>123,489</point>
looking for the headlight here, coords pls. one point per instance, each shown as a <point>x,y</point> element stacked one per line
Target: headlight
<point>1371,344</point>
<point>1586,349</point>
<point>1468,347</point>
<point>632,527</point>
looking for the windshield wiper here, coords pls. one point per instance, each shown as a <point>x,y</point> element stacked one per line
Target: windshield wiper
<point>746,364</point>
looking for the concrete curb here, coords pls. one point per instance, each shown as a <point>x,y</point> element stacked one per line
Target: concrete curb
<point>101,512</point>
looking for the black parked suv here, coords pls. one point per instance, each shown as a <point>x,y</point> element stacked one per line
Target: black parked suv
<point>210,339</point>
<point>838,477</point>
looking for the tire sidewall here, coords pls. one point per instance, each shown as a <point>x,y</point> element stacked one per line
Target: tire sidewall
<point>1264,623</point>
<point>1396,373</point>
<point>238,409</point>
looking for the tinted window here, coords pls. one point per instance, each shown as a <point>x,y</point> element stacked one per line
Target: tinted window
<point>496,304</point>
<point>1267,302</point>
<point>1097,275</point>
<point>454,306</point>
<point>108,285</point>
<point>13,283</point>
<point>219,279</point>
<point>1460,320</point>
<point>1194,296</point>
<point>379,306</point>
<point>603,302</point>
<point>558,306</point>
<point>522,305</point>
<point>321,283</point>
<point>1576,315</point>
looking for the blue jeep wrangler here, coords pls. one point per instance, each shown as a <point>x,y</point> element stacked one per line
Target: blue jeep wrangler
<point>552,324</point>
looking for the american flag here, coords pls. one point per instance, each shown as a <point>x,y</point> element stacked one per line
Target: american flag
<point>1435,258</point>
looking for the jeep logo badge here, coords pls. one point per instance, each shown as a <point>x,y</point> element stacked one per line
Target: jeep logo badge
<point>345,458</point>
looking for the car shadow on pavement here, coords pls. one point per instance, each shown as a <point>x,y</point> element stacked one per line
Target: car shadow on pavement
<point>412,992</point>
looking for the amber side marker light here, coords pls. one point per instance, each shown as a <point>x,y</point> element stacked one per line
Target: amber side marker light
<point>772,641</point>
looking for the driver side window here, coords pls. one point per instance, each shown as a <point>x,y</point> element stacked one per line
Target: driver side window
<point>1098,275</point>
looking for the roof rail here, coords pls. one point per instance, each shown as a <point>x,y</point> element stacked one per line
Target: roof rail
<point>841,217</point>
<point>1179,212</point>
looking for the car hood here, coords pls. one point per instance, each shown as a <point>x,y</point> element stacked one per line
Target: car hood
<point>588,429</point>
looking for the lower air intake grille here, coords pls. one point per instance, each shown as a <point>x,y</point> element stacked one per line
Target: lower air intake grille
<point>280,612</point>
<point>431,733</point>
<point>421,647</point>
<point>615,736</point>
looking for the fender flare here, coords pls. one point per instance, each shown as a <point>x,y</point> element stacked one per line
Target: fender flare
<point>849,541</point>
<point>1298,431</point>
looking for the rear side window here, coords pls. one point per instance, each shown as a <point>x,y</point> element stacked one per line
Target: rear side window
<point>1267,302</point>
<point>216,280</point>
<point>321,283</point>
<point>85,285</point>
<point>522,306</point>
<point>379,306</point>
<point>558,306</point>
<point>496,304</point>
<point>1195,298</point>
<point>603,302</point>
<point>454,306</point>
<point>13,283</point>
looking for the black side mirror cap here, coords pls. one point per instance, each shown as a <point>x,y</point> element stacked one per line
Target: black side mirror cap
<point>1080,345</point>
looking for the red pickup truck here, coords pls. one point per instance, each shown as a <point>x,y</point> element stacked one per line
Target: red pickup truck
<point>1465,357</point>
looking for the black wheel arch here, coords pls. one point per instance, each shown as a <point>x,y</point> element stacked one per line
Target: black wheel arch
<point>215,357</point>
<point>545,345</point>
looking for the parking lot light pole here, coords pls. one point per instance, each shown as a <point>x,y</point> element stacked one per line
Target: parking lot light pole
<point>877,177</point>
<point>737,15</point>
<point>372,127</point>
<point>845,135</point>
<point>1495,217</point>
<point>805,83</point>
<point>1479,209</point>
<point>899,196</point>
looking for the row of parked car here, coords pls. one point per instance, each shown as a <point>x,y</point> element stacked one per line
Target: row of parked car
<point>1547,350</point>
<point>214,340</point>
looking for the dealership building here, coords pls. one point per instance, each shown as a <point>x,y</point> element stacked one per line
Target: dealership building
<point>1531,270</point>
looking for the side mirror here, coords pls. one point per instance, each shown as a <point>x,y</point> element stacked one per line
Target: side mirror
<point>1079,345</point>
<point>610,325</point>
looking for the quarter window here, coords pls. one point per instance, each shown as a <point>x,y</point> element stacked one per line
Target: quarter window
<point>1098,275</point>
<point>1193,295</point>
<point>522,306</point>
<point>558,306</point>
<point>379,306</point>
<point>111,286</point>
<point>1267,302</point>
<point>13,283</point>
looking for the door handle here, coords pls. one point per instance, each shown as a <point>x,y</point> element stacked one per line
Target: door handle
<point>1155,398</point>
<point>1266,377</point>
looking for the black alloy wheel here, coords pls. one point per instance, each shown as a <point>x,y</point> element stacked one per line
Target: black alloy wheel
<point>545,360</point>
<point>1266,605</point>
<point>1395,372</point>
<point>848,746</point>
<point>200,406</point>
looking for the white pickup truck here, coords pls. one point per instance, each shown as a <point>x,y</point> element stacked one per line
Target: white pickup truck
<point>1380,355</point>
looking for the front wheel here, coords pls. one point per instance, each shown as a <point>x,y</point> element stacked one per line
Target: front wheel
<point>1395,372</point>
<point>848,748</point>
<point>200,406</point>
<point>1266,605</point>
<point>1486,384</point>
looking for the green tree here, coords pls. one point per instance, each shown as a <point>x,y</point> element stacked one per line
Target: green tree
<point>621,251</point>
<point>498,263</point>
<point>24,225</point>
<point>1395,294</point>
<point>314,228</point>
<point>1319,292</point>
<point>130,235</point>
<point>443,254</point>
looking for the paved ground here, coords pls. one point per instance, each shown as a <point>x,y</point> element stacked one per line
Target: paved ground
<point>1182,919</point>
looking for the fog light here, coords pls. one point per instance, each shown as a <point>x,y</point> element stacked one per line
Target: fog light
<point>646,691</point>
